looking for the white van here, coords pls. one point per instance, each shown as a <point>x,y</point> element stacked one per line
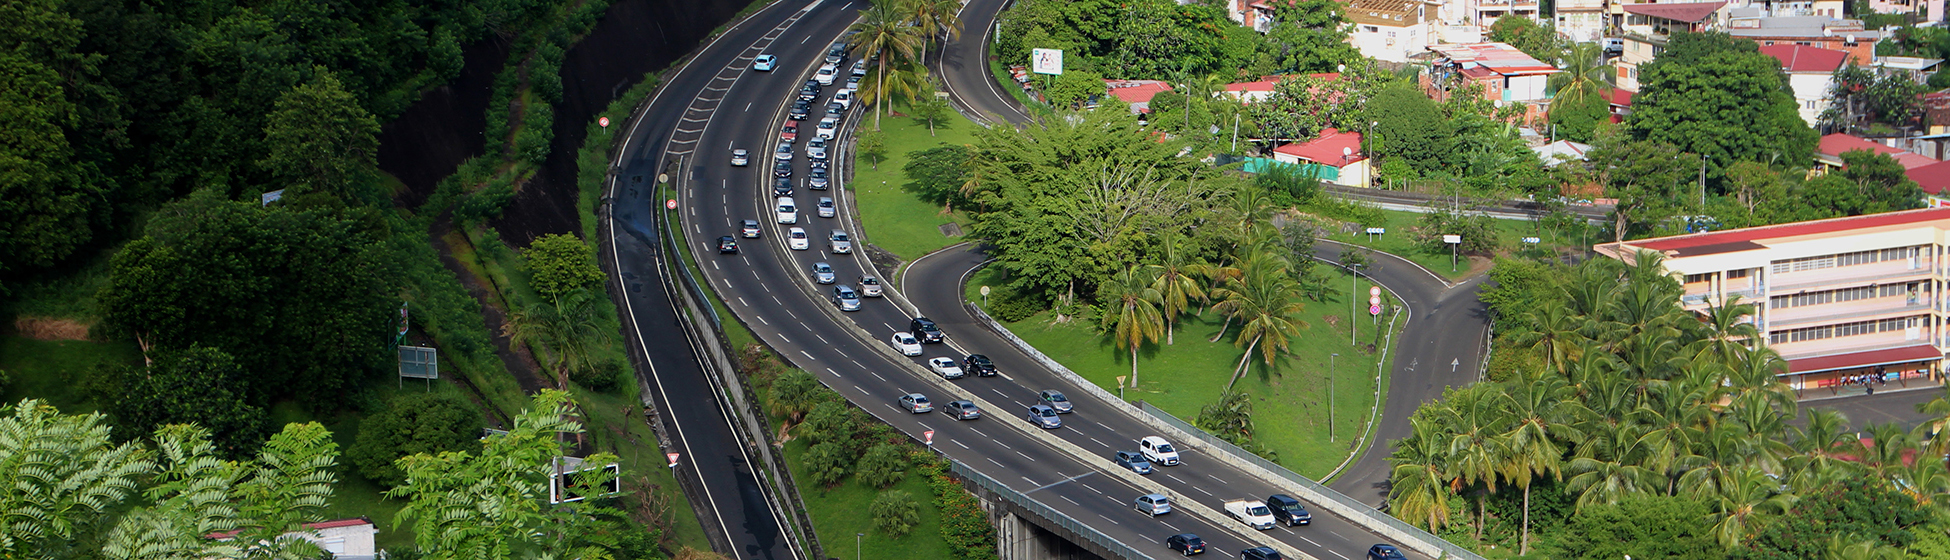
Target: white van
<point>788,211</point>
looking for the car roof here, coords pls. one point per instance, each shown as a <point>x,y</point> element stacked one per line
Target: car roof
<point>1157,496</point>
<point>1153,439</point>
<point>750,222</point>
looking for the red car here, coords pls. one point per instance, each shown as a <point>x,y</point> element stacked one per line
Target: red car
<point>790,132</point>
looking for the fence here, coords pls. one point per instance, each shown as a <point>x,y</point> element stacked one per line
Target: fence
<point>1087,533</point>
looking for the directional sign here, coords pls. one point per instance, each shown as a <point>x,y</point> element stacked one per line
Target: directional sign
<point>1532,240</point>
<point>603,122</point>
<point>1377,231</point>
<point>673,458</point>
<point>1452,239</point>
<point>929,435</point>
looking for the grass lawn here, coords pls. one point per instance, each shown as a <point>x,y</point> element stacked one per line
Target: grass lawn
<point>52,370</point>
<point>1510,234</point>
<point>895,219</point>
<point>841,511</point>
<point>1289,401</point>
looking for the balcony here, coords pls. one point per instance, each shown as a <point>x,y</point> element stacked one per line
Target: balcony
<point>1847,276</point>
<point>1833,313</point>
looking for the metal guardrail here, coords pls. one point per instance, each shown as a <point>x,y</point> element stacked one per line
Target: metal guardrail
<point>1449,550</point>
<point>1095,537</point>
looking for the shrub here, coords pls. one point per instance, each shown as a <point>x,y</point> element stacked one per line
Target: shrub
<point>830,421</point>
<point>412,424</point>
<point>883,465</point>
<point>964,525</point>
<point>559,264</point>
<point>1011,306</point>
<point>895,512</point>
<point>828,462</point>
<point>603,377</point>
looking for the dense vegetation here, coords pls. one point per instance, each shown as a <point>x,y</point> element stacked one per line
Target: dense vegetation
<point>1160,39</point>
<point>1609,408</point>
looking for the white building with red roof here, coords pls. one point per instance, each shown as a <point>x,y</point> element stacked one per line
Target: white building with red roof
<point>1828,154</point>
<point>1138,93</point>
<point>341,539</point>
<point>1335,156</point>
<point>1507,74</point>
<point>1811,71</point>
<point>1840,299</point>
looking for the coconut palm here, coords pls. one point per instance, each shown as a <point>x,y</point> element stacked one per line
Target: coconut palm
<point>1825,451</point>
<point>1937,412</point>
<point>937,19</point>
<point>1265,301</point>
<point>887,36</point>
<point>1675,417</point>
<point>1555,334</point>
<point>900,81</point>
<point>1176,287</point>
<point>567,328</point>
<point>1473,418</point>
<point>1131,311</point>
<point>1927,482</point>
<point>1543,413</point>
<point>1584,74</point>
<point>1749,493</point>
<point>1757,370</point>
<point>1421,484</point>
<point>1882,454</point>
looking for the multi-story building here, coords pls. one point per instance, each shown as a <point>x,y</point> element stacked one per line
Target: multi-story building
<point>1389,30</point>
<point>1506,74</point>
<point>1825,29</point>
<point>1647,27</point>
<point>1811,73</point>
<point>1839,298</point>
<point>1581,20</point>
<point>1485,12</point>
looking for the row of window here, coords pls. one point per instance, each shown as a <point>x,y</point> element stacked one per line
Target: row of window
<point>1834,331</point>
<point>1845,259</point>
<point>1843,295</point>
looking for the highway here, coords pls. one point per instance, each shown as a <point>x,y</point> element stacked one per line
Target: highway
<point>770,290</point>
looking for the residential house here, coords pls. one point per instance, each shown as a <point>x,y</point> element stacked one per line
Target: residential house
<point>1811,73</point>
<point>1916,69</point>
<point>1820,30</point>
<point>341,539</point>
<point>1841,299</point>
<point>1254,14</point>
<point>1828,154</point>
<point>1621,104</point>
<point>1389,30</point>
<point>1647,27</point>
<point>1922,12</point>
<point>1506,74</point>
<point>1137,93</point>
<point>1583,21</point>
<point>1935,181</point>
<point>1335,156</point>
<point>1262,89</point>
<point>1561,151</point>
<point>1485,12</point>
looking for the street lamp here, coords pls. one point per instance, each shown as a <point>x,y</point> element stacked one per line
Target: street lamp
<point>1354,275</point>
<point>1330,396</point>
<point>856,545</point>
<point>1374,164</point>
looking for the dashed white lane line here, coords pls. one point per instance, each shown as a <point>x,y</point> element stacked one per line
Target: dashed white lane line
<point>1180,481</point>
<point>835,373</point>
<point>1201,491</point>
<point>1174,528</point>
<point>748,107</point>
<point>1221,551</point>
<point>1311,541</point>
<point>1343,556</point>
<point>803,41</point>
<point>782,336</point>
<point>876,375</point>
<point>809,355</point>
<point>1209,475</point>
<point>1025,456</point>
<point>1088,486</point>
<point>1103,444</point>
<point>862,391</point>
<point>978,432</point>
<point>822,340</point>
<point>1101,425</point>
<point>958,442</point>
<point>714,265</point>
<point>795,316</point>
<point>1072,502</point>
<point>992,460</point>
<point>761,319</point>
<point>1112,521</point>
<point>856,363</point>
<point>741,299</point>
<point>775,299</point>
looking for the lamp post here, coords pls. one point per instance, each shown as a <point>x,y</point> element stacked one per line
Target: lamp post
<point>856,545</point>
<point>1354,275</point>
<point>1330,396</point>
<point>1702,182</point>
<point>1367,146</point>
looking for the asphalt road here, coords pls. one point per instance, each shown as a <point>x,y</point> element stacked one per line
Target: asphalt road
<point>964,69</point>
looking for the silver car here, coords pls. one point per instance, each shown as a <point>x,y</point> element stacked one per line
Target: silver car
<point>816,149</point>
<point>869,286</point>
<point>945,367</point>
<point>916,403</point>
<point>845,298</point>
<point>841,243</point>
<point>962,410</point>
<point>826,208</point>
<point>1154,504</point>
<point>823,273</point>
<point>1044,417</point>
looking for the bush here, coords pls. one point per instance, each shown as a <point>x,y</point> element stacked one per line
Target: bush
<point>964,525</point>
<point>199,385</point>
<point>1011,306</point>
<point>883,465</point>
<point>830,421</point>
<point>895,512</point>
<point>559,264</point>
<point>828,462</point>
<point>603,377</point>
<point>1478,232</point>
<point>485,203</point>
<point>412,424</point>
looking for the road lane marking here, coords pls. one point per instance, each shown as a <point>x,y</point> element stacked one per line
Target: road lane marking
<point>809,355</point>
<point>1209,475</point>
<point>741,299</point>
<point>1311,541</point>
<point>992,460</point>
<point>748,107</point>
<point>958,442</point>
<point>877,375</point>
<point>1168,475</point>
<point>1343,556</point>
<point>1026,456</point>
<point>822,340</point>
<point>1072,502</point>
<point>1113,521</point>
<point>978,432</point>
<point>1173,527</point>
<point>835,373</point>
<point>761,319</point>
<point>1102,443</point>
<point>782,335</point>
<point>862,391</point>
<point>1201,490</point>
<point>1088,486</point>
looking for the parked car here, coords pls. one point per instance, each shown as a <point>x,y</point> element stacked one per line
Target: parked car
<point>906,343</point>
<point>1186,543</point>
<point>927,330</point>
<point>1056,400</point>
<point>916,403</point>
<point>1260,553</point>
<point>1158,451</point>
<point>740,158</point>
<point>796,240</point>
<point>869,286</point>
<point>962,410</point>
<point>839,242</point>
<point>1289,511</point>
<point>1044,417</point>
<point>748,228</point>
<point>1384,552</point>
<point>727,245</point>
<point>825,207</point>
<point>786,212</point>
<point>764,62</point>
<point>1134,461</point>
<point>979,365</point>
<point>945,367</point>
<point>845,298</point>
<point>1153,504</point>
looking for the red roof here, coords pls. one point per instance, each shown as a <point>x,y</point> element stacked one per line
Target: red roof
<point>1327,149</point>
<point>1136,91</point>
<point>1831,225</point>
<point>1803,58</point>
<point>1499,58</point>
<point>1934,178</point>
<point>1689,12</point>
<point>1622,97</point>
<point>1865,359</point>
<point>1262,85</point>
<point>1838,143</point>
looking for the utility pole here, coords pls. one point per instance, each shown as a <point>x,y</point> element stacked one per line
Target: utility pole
<point>1702,183</point>
<point>1330,396</point>
<point>1354,275</point>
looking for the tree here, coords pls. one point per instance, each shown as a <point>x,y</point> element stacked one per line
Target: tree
<point>937,174</point>
<point>793,394</point>
<point>496,504</point>
<point>1542,411</point>
<point>1647,178</point>
<point>197,385</point>
<point>1073,88</point>
<point>1176,287</point>
<point>828,462</point>
<point>885,35</point>
<point>1648,528</point>
<point>1310,36</point>
<point>1131,313</point>
<point>55,199</point>
<point>1713,96</point>
<point>320,138</point>
<point>930,109</point>
<point>895,512</point>
<point>411,425</point>
<point>1860,509</point>
<point>883,465</point>
<point>1870,183</point>
<point>937,19</point>
<point>243,279</point>
<point>1534,38</point>
<point>1583,91</point>
<point>63,475</point>
<point>568,327</point>
<point>831,421</point>
<point>1263,300</point>
<point>560,264</point>
<point>1420,483</point>
<point>872,145</point>
<point>1411,127</point>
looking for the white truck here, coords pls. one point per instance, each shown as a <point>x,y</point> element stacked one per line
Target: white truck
<point>1251,512</point>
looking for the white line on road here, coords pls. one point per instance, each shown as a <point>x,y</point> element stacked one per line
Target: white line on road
<point>782,335</point>
<point>1209,475</point>
<point>809,355</point>
<point>992,460</point>
<point>1072,502</point>
<point>1088,486</point>
<point>822,340</point>
<point>1201,490</point>
<point>1180,481</point>
<point>1343,556</point>
<point>761,319</point>
<point>1103,444</point>
<point>978,432</point>
<point>1113,521</point>
<point>1173,527</point>
<point>748,107</point>
<point>1310,541</point>
<point>741,299</point>
<point>877,375</point>
<point>862,391</point>
<point>958,442</point>
<point>1025,456</point>
<point>835,373</point>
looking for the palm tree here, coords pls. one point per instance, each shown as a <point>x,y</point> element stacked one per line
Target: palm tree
<point>1135,315</point>
<point>1727,332</point>
<point>1824,451</point>
<point>1931,431</point>
<point>1217,277</point>
<point>1676,419</point>
<point>1883,453</point>
<point>1543,410</point>
<point>1757,370</point>
<point>886,35</point>
<point>1264,300</point>
<point>1748,493</point>
<point>1585,74</point>
<point>1175,286</point>
<point>1555,334</point>
<point>1420,484</point>
<point>1476,452</point>
<point>1607,467</point>
<point>937,19</point>
<point>901,81</point>
<point>568,328</point>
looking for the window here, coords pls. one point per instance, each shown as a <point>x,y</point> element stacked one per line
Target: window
<point>1741,273</point>
<point>1833,331</point>
<point>1697,278</point>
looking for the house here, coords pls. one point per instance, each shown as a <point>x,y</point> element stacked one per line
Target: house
<point>1828,154</point>
<point>1935,181</point>
<point>1262,89</point>
<point>1486,12</point>
<point>1561,151</point>
<point>1839,299</point>
<point>1811,72</point>
<point>1582,21</point>
<point>1827,31</point>
<point>1647,27</point>
<point>1621,104</point>
<point>1335,156</point>
<point>1389,30</point>
<point>1916,69</point>
<point>342,539</point>
<point>1507,74</point>
<point>1923,12</point>
<point>1252,14</point>
<point>1137,93</point>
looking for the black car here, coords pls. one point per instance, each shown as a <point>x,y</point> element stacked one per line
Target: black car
<point>809,92</point>
<point>835,107</point>
<point>979,365</point>
<point>1288,510</point>
<point>781,187</point>
<point>1185,543</point>
<point>727,245</point>
<point>926,330</point>
<point>800,110</point>
<point>1262,553</point>
<point>1384,552</point>
<point>782,169</point>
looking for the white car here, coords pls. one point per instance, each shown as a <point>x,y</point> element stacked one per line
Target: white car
<point>740,157</point>
<point>788,212</point>
<point>906,343</point>
<point>796,239</point>
<point>826,208</point>
<point>869,286</point>
<point>816,149</point>
<point>826,74</point>
<point>1158,451</point>
<point>860,67</point>
<point>784,153</point>
<point>764,62</point>
<point>945,367</point>
<point>844,98</point>
<point>828,127</point>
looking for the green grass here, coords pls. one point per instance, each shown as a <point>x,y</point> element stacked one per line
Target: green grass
<point>841,511</point>
<point>896,220</point>
<point>1399,241</point>
<point>1289,400</point>
<point>53,370</point>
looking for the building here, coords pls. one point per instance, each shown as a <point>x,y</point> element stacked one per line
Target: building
<point>1811,72</point>
<point>1922,12</point>
<point>1335,156</point>
<point>1916,69</point>
<point>1252,92</point>
<point>1253,14</point>
<point>1485,12</point>
<point>1823,30</point>
<point>1138,93</point>
<point>1582,21</point>
<point>1507,74</point>
<point>1828,154</point>
<point>1561,151</point>
<point>1647,27</point>
<point>1935,181</point>
<point>1389,30</point>
<point>342,539</point>
<point>1839,298</point>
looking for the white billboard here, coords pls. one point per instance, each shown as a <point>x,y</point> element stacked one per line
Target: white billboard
<point>1046,61</point>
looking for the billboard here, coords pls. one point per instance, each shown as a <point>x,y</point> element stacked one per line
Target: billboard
<point>1046,61</point>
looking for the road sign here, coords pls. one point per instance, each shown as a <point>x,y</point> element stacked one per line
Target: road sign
<point>1377,231</point>
<point>985,290</point>
<point>1532,240</point>
<point>929,435</point>
<point>1374,310</point>
<point>1374,291</point>
<point>603,122</point>
<point>671,204</point>
<point>1046,61</point>
<point>1452,239</point>
<point>1374,300</point>
<point>673,458</point>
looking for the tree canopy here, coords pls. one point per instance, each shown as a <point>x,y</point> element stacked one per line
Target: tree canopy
<point>1717,97</point>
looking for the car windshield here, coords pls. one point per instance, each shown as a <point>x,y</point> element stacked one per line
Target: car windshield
<point>1045,412</point>
<point>869,280</point>
<point>1258,510</point>
<point>839,237</point>
<point>906,339</point>
<point>822,267</point>
<point>1058,397</point>
<point>1164,448</point>
<point>798,235</point>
